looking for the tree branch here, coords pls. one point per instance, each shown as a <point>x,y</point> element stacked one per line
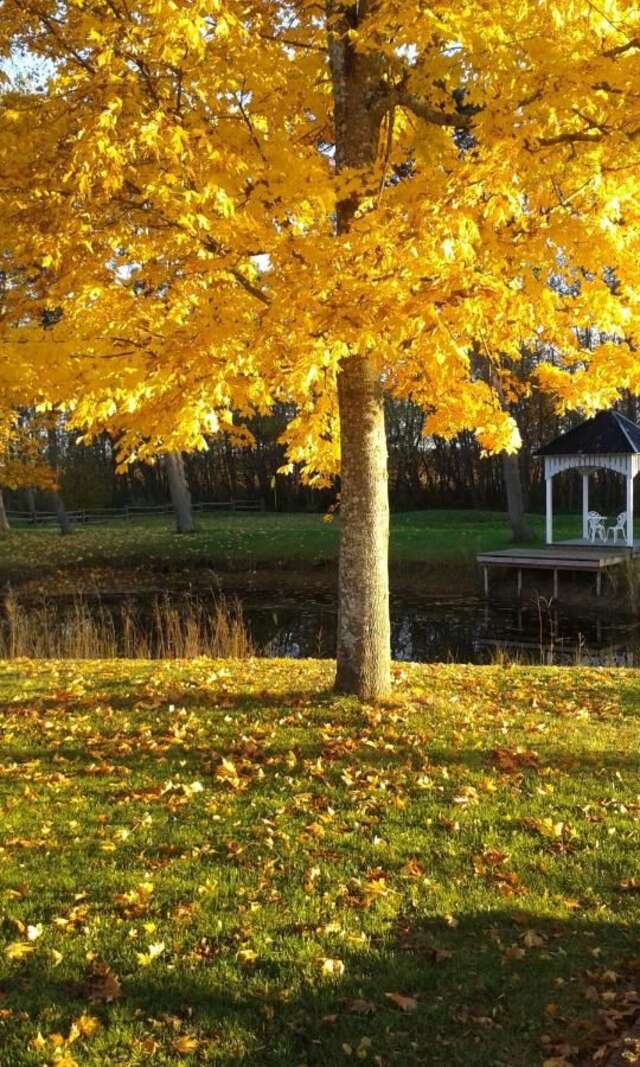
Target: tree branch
<point>620,49</point>
<point>252,289</point>
<point>429,114</point>
<point>291,43</point>
<point>570,138</point>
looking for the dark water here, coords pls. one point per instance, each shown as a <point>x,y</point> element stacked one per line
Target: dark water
<point>424,629</point>
<point>464,630</point>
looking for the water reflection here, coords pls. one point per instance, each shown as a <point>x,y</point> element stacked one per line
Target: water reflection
<point>423,628</point>
<point>460,630</point>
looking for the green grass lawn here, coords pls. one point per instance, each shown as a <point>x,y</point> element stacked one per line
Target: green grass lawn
<point>247,540</point>
<point>223,863</point>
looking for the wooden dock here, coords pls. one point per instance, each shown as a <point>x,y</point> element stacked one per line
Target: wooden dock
<point>565,556</point>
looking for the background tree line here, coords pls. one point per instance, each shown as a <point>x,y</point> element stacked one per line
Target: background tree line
<point>424,471</point>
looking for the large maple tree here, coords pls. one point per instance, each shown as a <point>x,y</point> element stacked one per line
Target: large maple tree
<point>221,206</point>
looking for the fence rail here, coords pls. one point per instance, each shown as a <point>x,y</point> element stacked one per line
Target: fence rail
<point>93,516</point>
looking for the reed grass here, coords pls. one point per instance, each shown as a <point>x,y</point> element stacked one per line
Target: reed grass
<point>171,627</point>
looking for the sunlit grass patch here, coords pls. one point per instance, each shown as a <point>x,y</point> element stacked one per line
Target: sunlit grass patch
<point>242,541</point>
<point>222,862</point>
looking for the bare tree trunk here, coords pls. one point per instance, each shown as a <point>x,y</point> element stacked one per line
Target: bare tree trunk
<point>30,497</point>
<point>515,497</point>
<point>4,522</point>
<point>179,491</point>
<point>363,656</point>
<point>64,522</point>
<point>363,653</point>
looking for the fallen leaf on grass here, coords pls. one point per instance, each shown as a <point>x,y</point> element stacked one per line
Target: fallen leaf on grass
<point>152,953</point>
<point>185,1044</point>
<point>402,1002</point>
<point>102,984</point>
<point>86,1025</point>
<point>514,952</point>
<point>511,761</point>
<point>532,940</point>
<point>65,1060</point>
<point>247,956</point>
<point>17,950</point>
<point>359,1007</point>
<point>630,885</point>
<point>333,967</point>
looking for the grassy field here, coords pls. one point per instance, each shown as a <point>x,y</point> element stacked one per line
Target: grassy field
<point>224,863</point>
<point>243,541</point>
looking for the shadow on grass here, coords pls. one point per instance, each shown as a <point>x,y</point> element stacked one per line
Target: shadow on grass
<point>494,989</point>
<point>204,758</point>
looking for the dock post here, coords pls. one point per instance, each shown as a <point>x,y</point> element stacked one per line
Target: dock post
<point>486,581</point>
<point>519,581</point>
<point>555,582</point>
<point>598,583</point>
<point>549,510</point>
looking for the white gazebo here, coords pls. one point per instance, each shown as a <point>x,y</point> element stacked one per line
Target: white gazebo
<point>608,441</point>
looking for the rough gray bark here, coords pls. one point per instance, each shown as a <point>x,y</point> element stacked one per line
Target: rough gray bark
<point>4,522</point>
<point>364,640</point>
<point>179,492</point>
<point>363,652</point>
<point>30,498</point>
<point>64,522</point>
<point>515,497</point>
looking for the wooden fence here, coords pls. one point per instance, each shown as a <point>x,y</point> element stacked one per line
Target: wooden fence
<point>93,516</point>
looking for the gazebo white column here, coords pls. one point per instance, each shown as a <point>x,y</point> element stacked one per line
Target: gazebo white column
<point>630,476</point>
<point>607,441</point>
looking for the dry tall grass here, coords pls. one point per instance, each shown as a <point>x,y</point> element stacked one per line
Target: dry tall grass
<point>171,628</point>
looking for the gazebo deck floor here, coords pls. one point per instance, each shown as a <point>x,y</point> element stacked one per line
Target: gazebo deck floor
<point>565,555</point>
<point>573,555</point>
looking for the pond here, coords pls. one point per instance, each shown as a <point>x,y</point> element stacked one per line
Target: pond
<point>457,629</point>
<point>425,628</point>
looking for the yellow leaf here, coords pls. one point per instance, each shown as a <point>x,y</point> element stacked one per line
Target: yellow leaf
<point>152,953</point>
<point>65,1060</point>
<point>185,1044</point>
<point>86,1025</point>
<point>332,967</point>
<point>17,950</point>
<point>247,955</point>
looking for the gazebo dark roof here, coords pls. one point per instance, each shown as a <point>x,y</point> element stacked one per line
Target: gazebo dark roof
<point>608,432</point>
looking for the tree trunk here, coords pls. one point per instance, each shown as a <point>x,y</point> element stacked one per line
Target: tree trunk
<point>363,652</point>
<point>179,491</point>
<point>64,521</point>
<point>30,498</point>
<point>515,498</point>
<point>4,522</point>
<point>363,656</point>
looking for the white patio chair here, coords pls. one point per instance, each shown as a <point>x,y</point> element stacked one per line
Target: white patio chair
<point>596,526</point>
<point>619,528</point>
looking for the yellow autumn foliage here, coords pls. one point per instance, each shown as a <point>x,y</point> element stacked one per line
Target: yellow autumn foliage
<point>169,191</point>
